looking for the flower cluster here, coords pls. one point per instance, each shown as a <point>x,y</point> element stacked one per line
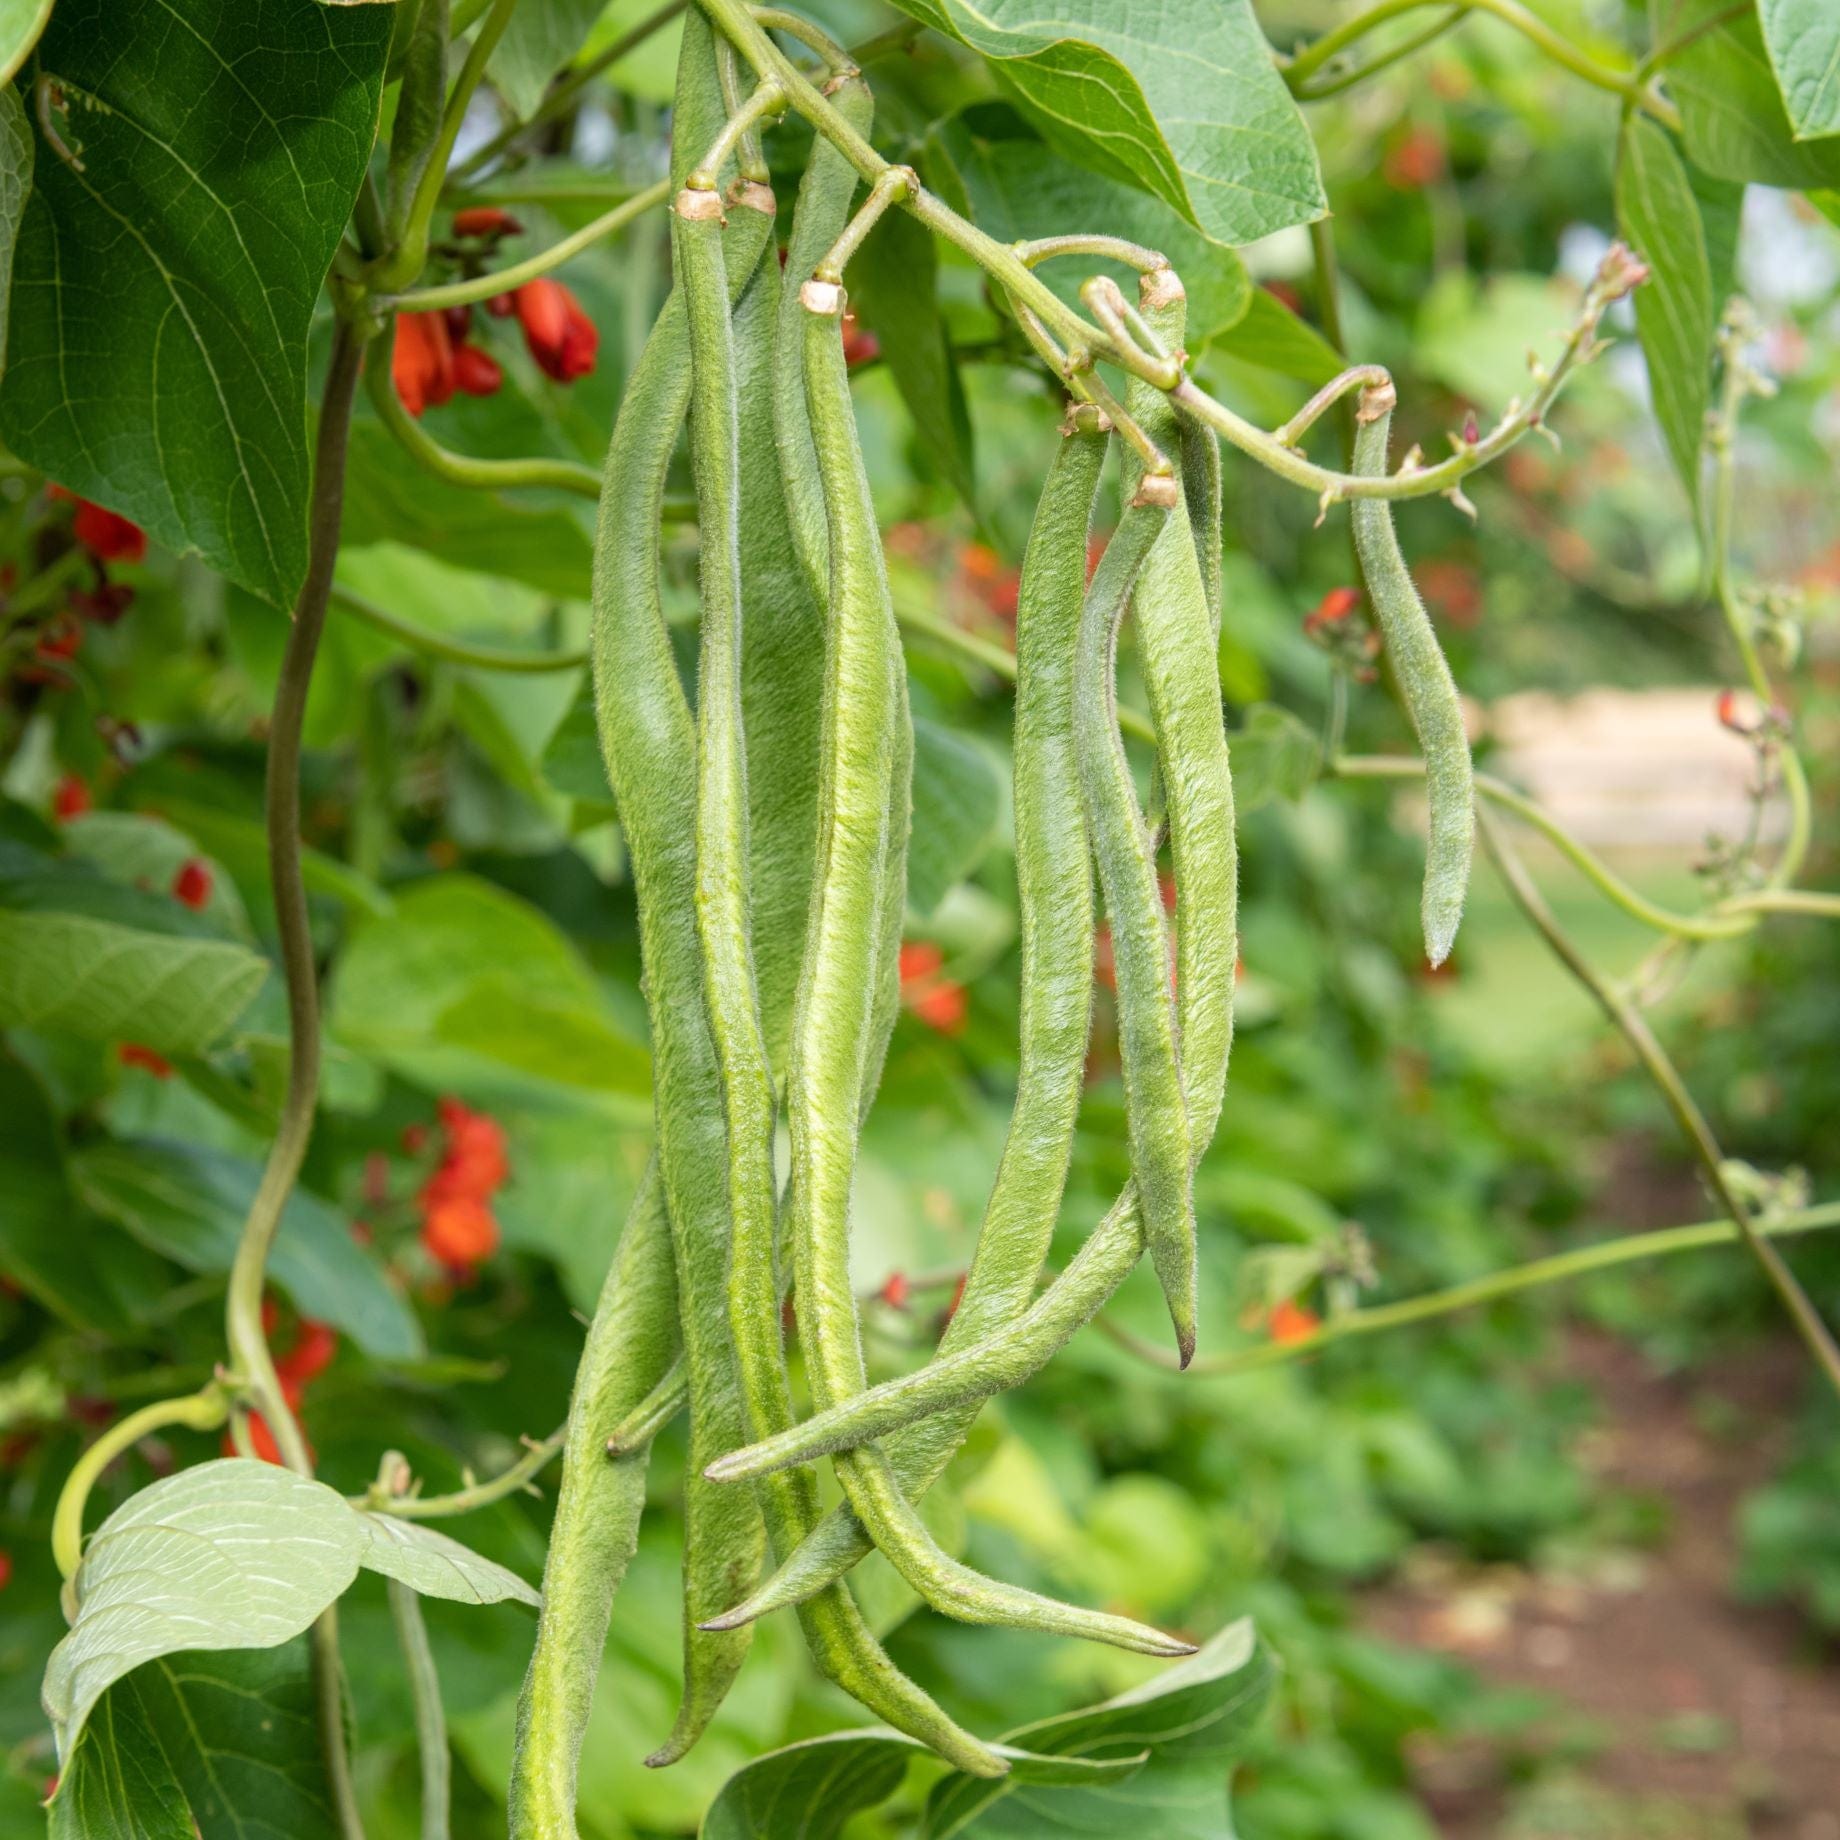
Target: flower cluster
<point>459,1228</point>
<point>434,356</point>
<point>106,537</point>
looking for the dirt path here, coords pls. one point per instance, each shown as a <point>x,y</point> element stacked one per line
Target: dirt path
<point>1690,1717</point>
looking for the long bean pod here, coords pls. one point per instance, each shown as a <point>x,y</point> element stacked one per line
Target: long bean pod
<point>630,1342</point>
<point>1055,900</point>
<point>649,741</point>
<point>1425,686</point>
<point>1148,1040</point>
<point>724,924</point>
<point>1177,625</point>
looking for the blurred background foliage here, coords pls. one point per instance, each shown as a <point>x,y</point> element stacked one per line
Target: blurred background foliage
<point>1384,1128</point>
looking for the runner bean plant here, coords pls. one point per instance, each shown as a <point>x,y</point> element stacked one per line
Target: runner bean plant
<point>210,205</point>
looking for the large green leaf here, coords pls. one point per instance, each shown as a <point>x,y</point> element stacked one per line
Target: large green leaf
<point>810,1789</point>
<point>895,290</point>
<point>1733,122</point>
<point>15,183</point>
<point>1676,314</point>
<point>1181,100</point>
<point>189,1202</point>
<point>1803,40</point>
<point>227,1554</point>
<point>1016,188</point>
<point>958,799</point>
<point>467,985</point>
<point>1269,334</point>
<point>542,37</point>
<point>1276,755</point>
<point>1193,1719</point>
<point>88,957</point>
<point>226,1741</point>
<point>158,359</point>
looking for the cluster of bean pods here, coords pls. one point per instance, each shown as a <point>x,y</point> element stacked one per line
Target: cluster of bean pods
<point>767,829</point>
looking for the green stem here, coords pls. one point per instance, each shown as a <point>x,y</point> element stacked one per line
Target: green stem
<point>402,264</point>
<point>424,1678</point>
<point>1633,1026</point>
<point>1630,84</point>
<point>463,469</point>
<point>504,280</point>
<point>243,1305</point>
<point>455,651</point>
<point>1725,922</point>
<point>204,1410</point>
<point>1397,52</point>
<point>1558,1268</point>
<point>475,1495</point>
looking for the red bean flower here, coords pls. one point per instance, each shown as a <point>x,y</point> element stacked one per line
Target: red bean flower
<point>192,885</point>
<point>486,220</point>
<point>1292,1322</point>
<point>106,534</point>
<point>459,1229</point>
<point>939,1002</point>
<point>476,371</point>
<point>422,361</point>
<point>562,338</point>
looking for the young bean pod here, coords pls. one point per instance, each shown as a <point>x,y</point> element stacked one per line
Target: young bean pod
<point>1425,686</point>
<point>1055,899</point>
<point>1161,1153</point>
<point>1177,628</point>
<point>596,1526</point>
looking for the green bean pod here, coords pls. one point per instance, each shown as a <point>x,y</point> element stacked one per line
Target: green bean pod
<point>649,742</point>
<point>596,1525</point>
<point>1009,1356</point>
<point>834,1629</point>
<point>1177,636</point>
<point>1054,886</point>
<point>1425,685</point>
<point>1162,1157</point>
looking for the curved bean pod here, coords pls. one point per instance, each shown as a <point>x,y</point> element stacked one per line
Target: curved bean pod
<point>1054,886</point>
<point>1177,627</point>
<point>1425,684</point>
<point>596,1526</point>
<point>1162,1157</point>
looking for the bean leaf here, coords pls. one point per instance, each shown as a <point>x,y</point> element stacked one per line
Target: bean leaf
<point>1181,100</point>
<point>1276,755</point>
<point>434,1565</point>
<point>15,183</point>
<point>1733,122</point>
<point>1676,314</point>
<point>170,256</point>
<point>21,22</point>
<point>228,1554</point>
<point>958,799</point>
<point>1803,40</point>
<point>188,1202</point>
<point>228,1741</point>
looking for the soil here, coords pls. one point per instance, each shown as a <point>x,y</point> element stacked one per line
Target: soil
<point>1677,1713</point>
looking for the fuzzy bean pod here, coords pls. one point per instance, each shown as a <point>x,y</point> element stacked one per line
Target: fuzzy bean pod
<point>1425,685</point>
<point>1055,896</point>
<point>596,1525</point>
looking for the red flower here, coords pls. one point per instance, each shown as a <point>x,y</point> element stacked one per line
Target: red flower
<point>422,361</point>
<point>1729,713</point>
<point>938,1001</point>
<point>486,220</point>
<point>1414,160</point>
<point>459,1230</point>
<point>133,1054</point>
<point>102,606</point>
<point>1332,609</point>
<point>561,337</point>
<point>1291,1322</point>
<point>6,1568</point>
<point>477,372</point>
<point>192,885</point>
<point>71,799</point>
<point>310,1355</point>
<point>475,1159</point>
<point>62,639</point>
<point>107,535</point>
<point>896,1291</point>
